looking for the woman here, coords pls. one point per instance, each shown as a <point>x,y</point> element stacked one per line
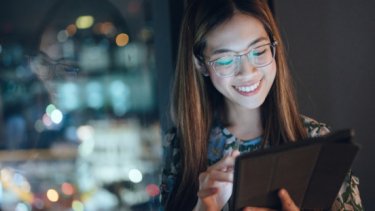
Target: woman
<point>232,94</point>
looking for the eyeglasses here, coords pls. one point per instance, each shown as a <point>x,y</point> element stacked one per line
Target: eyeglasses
<point>230,65</point>
<point>49,69</point>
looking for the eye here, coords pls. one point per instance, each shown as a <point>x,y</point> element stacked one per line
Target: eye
<point>225,61</point>
<point>258,52</point>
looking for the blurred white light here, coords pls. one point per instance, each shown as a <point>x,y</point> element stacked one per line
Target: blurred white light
<point>22,207</point>
<point>56,116</point>
<point>85,132</point>
<point>135,175</point>
<point>84,22</point>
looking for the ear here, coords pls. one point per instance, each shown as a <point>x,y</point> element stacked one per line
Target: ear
<point>200,67</point>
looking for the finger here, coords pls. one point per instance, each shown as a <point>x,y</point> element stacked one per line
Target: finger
<point>286,201</point>
<point>225,163</point>
<point>220,176</point>
<point>207,192</point>
<point>235,153</point>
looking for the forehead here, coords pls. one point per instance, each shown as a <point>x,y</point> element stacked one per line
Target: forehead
<point>235,34</point>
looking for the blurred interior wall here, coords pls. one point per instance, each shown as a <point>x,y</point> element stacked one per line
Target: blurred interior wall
<point>331,50</point>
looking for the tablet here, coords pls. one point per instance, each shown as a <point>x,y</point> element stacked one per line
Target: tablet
<point>312,170</point>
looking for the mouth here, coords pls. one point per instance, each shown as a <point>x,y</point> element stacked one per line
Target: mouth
<point>247,88</point>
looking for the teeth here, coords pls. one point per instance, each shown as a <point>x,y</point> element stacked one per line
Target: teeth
<point>248,88</point>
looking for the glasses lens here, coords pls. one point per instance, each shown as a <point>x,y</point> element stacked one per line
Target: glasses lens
<point>261,56</point>
<point>225,66</point>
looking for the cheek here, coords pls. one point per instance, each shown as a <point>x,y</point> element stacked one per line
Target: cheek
<point>272,71</point>
<point>218,82</point>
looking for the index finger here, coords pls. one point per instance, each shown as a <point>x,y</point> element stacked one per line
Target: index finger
<point>287,201</point>
<point>225,163</point>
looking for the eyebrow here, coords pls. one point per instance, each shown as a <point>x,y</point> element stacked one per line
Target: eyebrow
<point>224,50</point>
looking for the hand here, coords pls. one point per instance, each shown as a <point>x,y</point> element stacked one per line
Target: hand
<point>286,202</point>
<point>216,184</point>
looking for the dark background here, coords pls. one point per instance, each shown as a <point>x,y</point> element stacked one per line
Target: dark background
<point>330,46</point>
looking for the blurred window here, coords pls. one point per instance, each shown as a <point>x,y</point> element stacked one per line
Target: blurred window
<point>78,107</point>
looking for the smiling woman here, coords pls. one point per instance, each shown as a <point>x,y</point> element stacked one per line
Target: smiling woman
<point>232,94</point>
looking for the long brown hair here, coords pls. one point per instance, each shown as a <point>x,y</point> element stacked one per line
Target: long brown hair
<point>195,102</point>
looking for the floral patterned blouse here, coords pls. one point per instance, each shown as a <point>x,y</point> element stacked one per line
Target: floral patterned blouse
<point>222,142</point>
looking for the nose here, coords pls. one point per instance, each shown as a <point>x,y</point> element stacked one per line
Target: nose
<point>246,67</point>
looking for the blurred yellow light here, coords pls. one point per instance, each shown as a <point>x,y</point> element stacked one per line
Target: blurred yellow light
<point>52,195</point>
<point>122,39</point>
<point>84,22</point>
<point>6,175</point>
<point>71,29</point>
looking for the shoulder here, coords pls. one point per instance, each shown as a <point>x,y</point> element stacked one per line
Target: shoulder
<point>169,137</point>
<point>171,164</point>
<point>171,151</point>
<point>313,127</point>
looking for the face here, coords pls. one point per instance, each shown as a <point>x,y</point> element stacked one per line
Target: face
<point>251,85</point>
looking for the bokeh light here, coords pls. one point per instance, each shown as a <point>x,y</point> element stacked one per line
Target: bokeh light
<point>77,205</point>
<point>122,39</point>
<point>152,190</point>
<point>71,29</point>
<point>47,120</point>
<point>135,176</point>
<point>50,108</point>
<point>52,195</point>
<point>84,22</point>
<point>22,207</point>
<point>85,132</point>
<point>56,116</point>
<point>67,188</point>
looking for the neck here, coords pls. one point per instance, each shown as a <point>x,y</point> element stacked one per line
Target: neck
<point>245,123</point>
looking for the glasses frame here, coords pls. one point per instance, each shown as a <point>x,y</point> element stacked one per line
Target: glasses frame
<point>237,57</point>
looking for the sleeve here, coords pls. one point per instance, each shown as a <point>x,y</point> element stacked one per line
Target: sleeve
<point>348,197</point>
<point>170,165</point>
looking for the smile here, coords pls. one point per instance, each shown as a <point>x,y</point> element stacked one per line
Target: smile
<point>248,88</point>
